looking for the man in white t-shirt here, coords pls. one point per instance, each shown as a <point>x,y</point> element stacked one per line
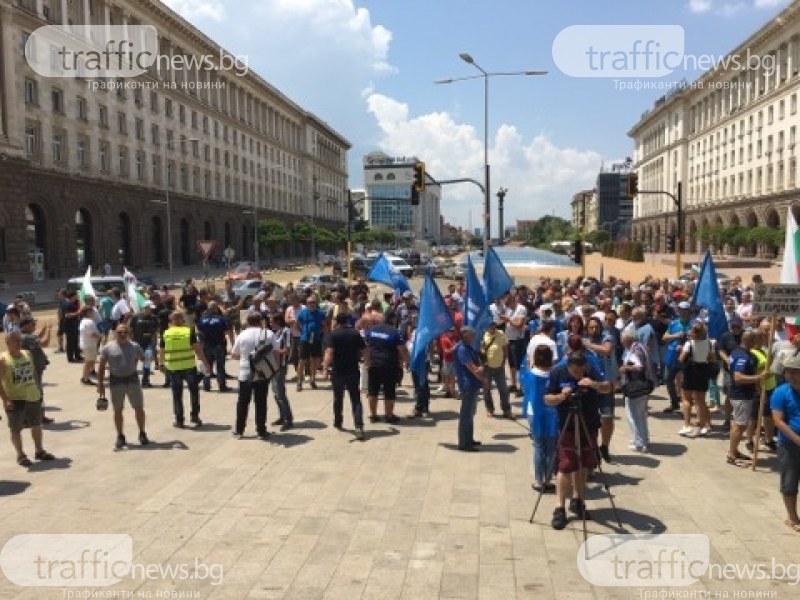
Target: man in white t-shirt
<point>121,310</point>
<point>251,386</point>
<point>516,321</point>
<point>88,339</point>
<point>543,337</point>
<point>745,309</point>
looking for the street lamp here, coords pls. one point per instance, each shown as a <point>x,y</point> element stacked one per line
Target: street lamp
<point>485,75</point>
<point>168,206</point>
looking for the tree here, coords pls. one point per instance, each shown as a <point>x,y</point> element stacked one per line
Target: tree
<point>597,238</point>
<point>272,232</point>
<point>476,241</point>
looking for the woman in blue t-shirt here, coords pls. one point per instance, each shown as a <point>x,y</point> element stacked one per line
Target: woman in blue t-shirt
<point>543,418</point>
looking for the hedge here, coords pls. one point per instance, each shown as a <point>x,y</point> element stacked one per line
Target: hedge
<point>631,251</point>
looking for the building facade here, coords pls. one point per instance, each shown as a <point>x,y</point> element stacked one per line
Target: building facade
<point>86,164</point>
<point>388,181</point>
<point>613,210</point>
<point>729,140</point>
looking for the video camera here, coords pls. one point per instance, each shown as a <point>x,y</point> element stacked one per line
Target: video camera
<point>576,398</point>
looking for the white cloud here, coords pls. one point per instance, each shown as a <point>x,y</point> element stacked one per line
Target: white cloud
<point>730,9</point>
<point>700,6</point>
<point>541,176</point>
<point>769,3</point>
<point>198,9</point>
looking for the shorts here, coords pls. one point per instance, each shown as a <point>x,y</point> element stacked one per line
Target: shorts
<point>516,353</point>
<point>89,354</point>
<point>382,378</point>
<point>741,411</point>
<point>25,414</point>
<point>448,368</point>
<point>606,405</point>
<point>789,461</point>
<point>132,390</point>
<point>568,457</point>
<point>767,412</point>
<point>696,377</point>
<point>61,330</point>
<point>311,349</point>
<point>294,351</point>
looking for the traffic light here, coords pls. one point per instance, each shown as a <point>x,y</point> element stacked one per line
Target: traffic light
<point>633,185</point>
<point>414,195</point>
<point>419,177</point>
<point>671,243</point>
<point>577,252</point>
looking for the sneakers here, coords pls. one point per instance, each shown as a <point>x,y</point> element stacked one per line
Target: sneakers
<point>263,436</point>
<point>637,448</point>
<point>605,453</point>
<point>360,434</point>
<point>237,435</point>
<point>749,445</point>
<point>337,425</point>
<point>299,386</point>
<point>286,426</point>
<point>509,415</point>
<point>196,421</point>
<point>143,439</point>
<point>179,425</point>
<point>559,520</point>
<point>121,442</point>
<point>669,410</point>
<point>687,432</point>
<point>578,508</point>
<point>313,384</point>
<point>392,419</point>
<point>374,419</point>
<point>277,423</point>
<point>704,431</point>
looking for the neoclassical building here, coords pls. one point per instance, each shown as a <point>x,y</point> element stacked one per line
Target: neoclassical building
<point>729,139</point>
<point>85,170</point>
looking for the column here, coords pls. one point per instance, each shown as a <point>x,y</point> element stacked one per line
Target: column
<point>789,61</point>
<point>64,15</point>
<point>9,126</point>
<point>87,20</point>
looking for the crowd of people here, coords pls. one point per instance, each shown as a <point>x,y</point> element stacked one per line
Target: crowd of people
<point>569,348</point>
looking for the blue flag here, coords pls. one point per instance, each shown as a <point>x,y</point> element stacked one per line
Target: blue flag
<point>383,272</point>
<point>434,320</point>
<point>706,294</point>
<point>476,312</point>
<point>496,279</point>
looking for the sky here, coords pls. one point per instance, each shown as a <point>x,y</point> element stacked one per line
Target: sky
<point>368,67</point>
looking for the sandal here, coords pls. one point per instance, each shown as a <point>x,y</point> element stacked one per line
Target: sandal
<point>43,455</point>
<point>736,462</point>
<point>793,526</point>
<point>741,456</point>
<point>24,461</point>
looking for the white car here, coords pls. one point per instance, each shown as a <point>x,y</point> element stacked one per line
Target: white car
<point>400,266</point>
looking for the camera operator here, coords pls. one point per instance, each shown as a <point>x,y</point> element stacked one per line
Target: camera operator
<point>575,388</point>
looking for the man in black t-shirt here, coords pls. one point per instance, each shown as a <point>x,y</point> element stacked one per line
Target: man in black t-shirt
<point>342,355</point>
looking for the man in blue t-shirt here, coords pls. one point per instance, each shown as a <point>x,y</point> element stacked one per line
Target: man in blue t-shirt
<point>212,328</point>
<point>385,357</point>
<point>744,391</point>
<point>310,321</point>
<point>677,333</point>
<point>785,404</point>
<point>469,374</point>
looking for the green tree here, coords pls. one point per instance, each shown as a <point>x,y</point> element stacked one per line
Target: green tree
<point>476,241</point>
<point>272,232</point>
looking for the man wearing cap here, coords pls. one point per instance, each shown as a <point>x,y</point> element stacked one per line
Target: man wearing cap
<point>144,331</point>
<point>785,404</point>
<point>728,342</point>
<point>470,375</point>
<point>676,335</point>
<point>342,355</point>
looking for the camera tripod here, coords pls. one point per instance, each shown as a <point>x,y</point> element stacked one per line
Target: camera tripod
<point>578,423</point>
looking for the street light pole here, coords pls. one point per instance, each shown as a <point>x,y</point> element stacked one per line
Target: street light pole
<point>501,196</point>
<point>485,75</point>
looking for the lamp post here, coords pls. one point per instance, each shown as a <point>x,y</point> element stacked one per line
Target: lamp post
<point>170,145</point>
<point>501,196</point>
<point>485,75</point>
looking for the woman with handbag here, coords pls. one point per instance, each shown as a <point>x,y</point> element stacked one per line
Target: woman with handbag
<point>637,385</point>
<point>698,357</point>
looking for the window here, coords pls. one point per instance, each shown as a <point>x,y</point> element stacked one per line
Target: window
<point>194,119</point>
<point>770,115</point>
<point>170,139</point>
<point>120,88</point>
<point>154,139</point>
<point>153,102</point>
<point>205,124</point>
<point>122,122</point>
<point>156,168</point>
<point>81,110</point>
<point>102,113</point>
<point>207,153</point>
<point>140,159</point>
<point>138,97</point>
<point>105,150</point>
<point>182,114</point>
<point>139,126</point>
<point>58,151</point>
<point>168,107</point>
<point>81,154</point>
<point>29,52</point>
<point>793,104</point>
<point>31,92</point>
<point>31,140</point>
<point>781,109</point>
<point>58,101</point>
<point>124,162</point>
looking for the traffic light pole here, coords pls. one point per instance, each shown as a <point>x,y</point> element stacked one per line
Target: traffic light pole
<point>678,200</point>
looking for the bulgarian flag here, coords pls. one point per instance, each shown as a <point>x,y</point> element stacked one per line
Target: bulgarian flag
<point>135,298</point>
<point>790,272</point>
<point>87,289</point>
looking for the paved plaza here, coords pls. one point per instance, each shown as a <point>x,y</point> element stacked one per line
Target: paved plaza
<point>312,513</point>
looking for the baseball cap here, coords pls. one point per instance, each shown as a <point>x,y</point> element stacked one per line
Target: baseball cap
<point>684,305</point>
<point>408,294</point>
<point>26,321</point>
<point>792,362</point>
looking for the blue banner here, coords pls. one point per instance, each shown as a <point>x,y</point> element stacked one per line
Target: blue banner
<point>476,307</point>
<point>434,320</point>
<point>383,272</point>
<point>496,279</point>
<point>706,294</point>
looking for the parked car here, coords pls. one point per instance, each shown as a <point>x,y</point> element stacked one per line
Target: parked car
<point>400,265</point>
<point>456,270</point>
<point>442,265</point>
<point>101,285</point>
<point>359,265</point>
<point>318,279</point>
<point>244,270</point>
<point>250,287</point>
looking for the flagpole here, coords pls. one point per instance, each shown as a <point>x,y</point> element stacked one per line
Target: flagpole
<point>763,398</point>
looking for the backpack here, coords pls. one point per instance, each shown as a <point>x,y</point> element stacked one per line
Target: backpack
<point>262,359</point>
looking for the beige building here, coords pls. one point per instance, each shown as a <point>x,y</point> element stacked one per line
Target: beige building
<point>86,164</point>
<point>584,207</point>
<point>729,139</point>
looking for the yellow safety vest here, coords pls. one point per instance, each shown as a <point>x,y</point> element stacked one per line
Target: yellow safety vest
<point>19,377</point>
<point>761,358</point>
<point>178,351</point>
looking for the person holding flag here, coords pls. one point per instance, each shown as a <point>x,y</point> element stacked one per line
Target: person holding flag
<point>384,272</point>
